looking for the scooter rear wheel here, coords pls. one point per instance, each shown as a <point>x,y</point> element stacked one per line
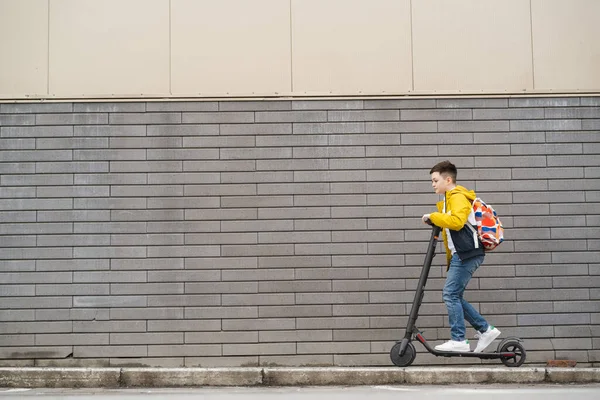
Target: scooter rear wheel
<point>409,355</point>
<point>513,346</point>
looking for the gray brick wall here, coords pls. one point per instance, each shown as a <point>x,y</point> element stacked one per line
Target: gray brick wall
<point>286,232</point>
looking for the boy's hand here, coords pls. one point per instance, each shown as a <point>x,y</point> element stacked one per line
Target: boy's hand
<point>425,218</point>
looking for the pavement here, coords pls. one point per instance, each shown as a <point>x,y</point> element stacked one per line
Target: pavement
<point>46,377</point>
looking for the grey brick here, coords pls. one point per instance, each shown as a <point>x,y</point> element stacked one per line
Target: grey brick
<point>109,155</point>
<point>145,338</point>
<point>263,324</point>
<point>17,315</point>
<point>183,154</point>
<point>288,311</point>
<point>217,117</point>
<point>110,179</point>
<point>260,348</point>
<point>577,281</point>
<point>510,161</point>
<point>571,137</point>
<point>72,339</point>
<point>109,301</point>
<point>221,337</point>
<point>146,313</point>
<point>221,214</point>
<point>290,165</point>
<point>571,161</point>
<point>257,299</point>
<point>329,128</point>
<point>255,153</point>
<point>220,141</point>
<point>185,325</point>
<point>400,104</point>
<point>109,227</point>
<point>71,289</point>
<point>17,168</point>
<point>221,263</point>
<point>16,120</point>
<point>184,276</point>
<point>145,142</point>
<point>144,118</point>
<point>17,265</point>
<point>474,126</point>
<point>180,178</point>
<point>182,130</point>
<point>183,251</point>
<point>183,202</point>
<point>294,237</point>
<point>109,351</point>
<point>591,124</point>
<point>17,144</point>
<point>545,125</point>
<point>36,277</point>
<point>509,137</point>
<point>590,101</point>
<point>294,262</point>
<point>36,155</point>
<point>220,190</point>
<point>257,250</point>
<point>17,290</point>
<point>186,226</point>
<point>291,116</point>
<point>544,102</point>
<point>186,300</point>
<point>256,177</point>
<point>256,129</point>
<point>329,152</point>
<point>329,176</point>
<point>291,140</point>
<point>221,287</point>
<point>72,265</point>
<point>573,112</point>
<point>221,238</point>
<point>221,312</point>
<point>114,130</point>
<point>109,107</point>
<point>147,264</point>
<point>294,286</point>
<point>296,336</point>
<point>147,191</point>
<point>333,323</point>
<point>256,201</point>
<point>439,115</point>
<point>401,127</point>
<point>260,105</point>
<point>332,298</point>
<point>327,104</point>
<point>71,143</point>
<point>554,319</point>
<point>72,119</point>
<point>471,103</point>
<point>35,228</point>
<point>36,131</point>
<point>36,352</point>
<point>366,115</point>
<point>182,106</point>
<point>443,139</point>
<point>109,203</point>
<point>37,302</point>
<point>27,108</point>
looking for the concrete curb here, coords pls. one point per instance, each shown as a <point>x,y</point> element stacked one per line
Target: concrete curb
<point>32,377</point>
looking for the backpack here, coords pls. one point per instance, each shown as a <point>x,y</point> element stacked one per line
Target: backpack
<point>489,227</point>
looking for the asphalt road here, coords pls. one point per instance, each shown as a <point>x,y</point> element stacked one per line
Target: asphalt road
<point>466,392</point>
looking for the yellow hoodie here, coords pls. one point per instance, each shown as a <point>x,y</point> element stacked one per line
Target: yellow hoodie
<point>458,208</point>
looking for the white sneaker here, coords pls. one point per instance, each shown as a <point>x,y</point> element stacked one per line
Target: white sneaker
<point>454,345</point>
<point>486,338</point>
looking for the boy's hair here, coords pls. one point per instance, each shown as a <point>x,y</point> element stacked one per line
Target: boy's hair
<point>445,168</point>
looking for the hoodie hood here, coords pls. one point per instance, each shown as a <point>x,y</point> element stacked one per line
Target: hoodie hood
<point>469,194</point>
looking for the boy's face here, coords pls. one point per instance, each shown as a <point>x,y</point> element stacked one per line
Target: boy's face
<point>441,183</point>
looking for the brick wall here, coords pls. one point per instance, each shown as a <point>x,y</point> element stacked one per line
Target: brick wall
<point>286,232</point>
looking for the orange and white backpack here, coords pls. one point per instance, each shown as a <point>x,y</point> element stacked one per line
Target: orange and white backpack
<point>489,226</point>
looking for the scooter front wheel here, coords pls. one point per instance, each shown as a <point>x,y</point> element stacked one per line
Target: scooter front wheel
<point>405,360</point>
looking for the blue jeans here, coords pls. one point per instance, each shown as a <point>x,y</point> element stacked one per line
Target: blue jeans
<point>459,309</point>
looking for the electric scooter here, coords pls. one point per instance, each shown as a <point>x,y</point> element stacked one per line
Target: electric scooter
<point>510,351</point>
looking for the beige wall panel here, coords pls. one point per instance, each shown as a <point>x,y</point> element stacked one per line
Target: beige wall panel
<point>351,46</point>
<point>230,47</point>
<point>23,48</point>
<point>109,47</point>
<point>472,46</point>
<point>566,44</point>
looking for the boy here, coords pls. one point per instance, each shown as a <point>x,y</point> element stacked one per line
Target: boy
<point>464,254</point>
